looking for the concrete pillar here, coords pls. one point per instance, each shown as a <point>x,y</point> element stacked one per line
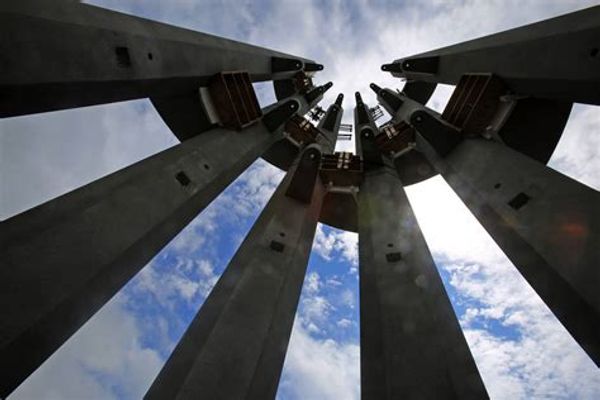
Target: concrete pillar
<point>235,347</point>
<point>412,346</point>
<point>62,260</point>
<point>556,59</point>
<point>65,54</point>
<point>546,223</point>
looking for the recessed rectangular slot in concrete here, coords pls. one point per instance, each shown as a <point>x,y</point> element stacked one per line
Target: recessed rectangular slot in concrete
<point>393,257</point>
<point>183,179</point>
<point>123,59</point>
<point>519,201</point>
<point>277,246</point>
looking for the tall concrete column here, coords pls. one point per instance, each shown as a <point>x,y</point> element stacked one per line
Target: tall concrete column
<point>236,344</point>
<point>545,222</point>
<point>412,346</point>
<point>64,54</point>
<point>555,59</point>
<point>62,260</point>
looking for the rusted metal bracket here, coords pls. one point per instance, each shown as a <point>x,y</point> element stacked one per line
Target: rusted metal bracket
<point>395,139</point>
<point>301,131</point>
<point>474,103</point>
<point>234,99</point>
<point>341,169</point>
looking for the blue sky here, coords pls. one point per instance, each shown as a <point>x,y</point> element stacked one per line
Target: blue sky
<point>521,350</point>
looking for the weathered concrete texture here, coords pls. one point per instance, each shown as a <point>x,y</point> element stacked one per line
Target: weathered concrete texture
<point>62,260</point>
<point>546,223</point>
<point>557,58</point>
<point>235,346</point>
<point>58,55</point>
<point>412,346</point>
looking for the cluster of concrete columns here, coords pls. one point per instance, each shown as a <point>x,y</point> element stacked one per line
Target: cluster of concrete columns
<point>411,343</point>
<point>64,259</point>
<point>546,223</point>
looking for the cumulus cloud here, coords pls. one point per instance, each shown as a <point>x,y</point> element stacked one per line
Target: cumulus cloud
<point>43,156</point>
<point>190,280</point>
<point>317,366</point>
<point>319,369</point>
<point>576,154</point>
<point>312,283</point>
<point>521,349</point>
<point>344,323</point>
<point>330,242</point>
<point>106,349</point>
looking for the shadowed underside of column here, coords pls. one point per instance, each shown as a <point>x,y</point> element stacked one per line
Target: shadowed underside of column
<point>235,347</point>
<point>412,346</point>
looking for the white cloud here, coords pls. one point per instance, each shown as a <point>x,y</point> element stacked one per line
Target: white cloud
<point>539,360</point>
<point>107,348</point>
<point>335,243</point>
<point>576,154</point>
<point>316,366</point>
<point>333,282</point>
<point>344,323</point>
<point>312,283</point>
<point>316,308</point>
<point>319,369</point>
<point>43,156</point>
<point>348,298</point>
<point>190,280</point>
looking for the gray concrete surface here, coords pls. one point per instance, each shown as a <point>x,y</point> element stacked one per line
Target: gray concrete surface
<point>58,55</point>
<point>557,58</point>
<point>236,344</point>
<point>62,260</point>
